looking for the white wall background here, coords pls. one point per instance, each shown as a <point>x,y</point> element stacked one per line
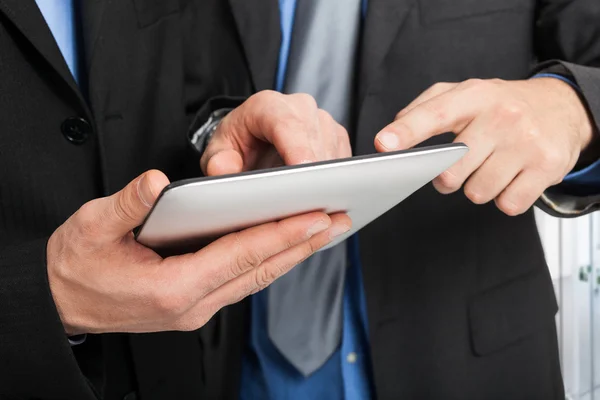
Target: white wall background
<point>572,250</point>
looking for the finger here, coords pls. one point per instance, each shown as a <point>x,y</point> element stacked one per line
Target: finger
<point>237,253</point>
<point>522,193</point>
<point>326,143</point>
<point>224,162</point>
<point>449,112</point>
<point>127,209</point>
<point>275,267</point>
<point>286,122</point>
<point>303,122</point>
<point>432,92</point>
<point>344,147</point>
<point>224,148</point>
<point>496,173</point>
<point>481,146</point>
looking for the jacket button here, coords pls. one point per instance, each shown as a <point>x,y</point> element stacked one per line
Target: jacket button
<point>76,130</point>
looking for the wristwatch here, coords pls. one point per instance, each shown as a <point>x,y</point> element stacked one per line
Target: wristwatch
<point>202,136</point>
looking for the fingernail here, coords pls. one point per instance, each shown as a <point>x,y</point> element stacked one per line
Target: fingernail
<point>306,162</point>
<point>316,228</point>
<point>338,230</point>
<point>389,140</point>
<point>145,193</point>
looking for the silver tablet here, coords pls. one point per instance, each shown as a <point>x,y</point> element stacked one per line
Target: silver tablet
<point>190,214</point>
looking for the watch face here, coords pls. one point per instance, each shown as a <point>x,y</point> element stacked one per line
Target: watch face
<point>203,135</point>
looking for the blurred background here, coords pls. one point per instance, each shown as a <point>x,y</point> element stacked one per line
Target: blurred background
<point>573,253</point>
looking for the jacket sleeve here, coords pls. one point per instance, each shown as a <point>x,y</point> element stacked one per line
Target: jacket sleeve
<point>37,360</point>
<point>568,36</point>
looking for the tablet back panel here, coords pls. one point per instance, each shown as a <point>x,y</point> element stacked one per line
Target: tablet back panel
<point>191,214</point>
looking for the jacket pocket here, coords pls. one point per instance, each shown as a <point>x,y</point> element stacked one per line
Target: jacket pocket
<point>151,11</point>
<point>511,312</point>
<point>434,11</point>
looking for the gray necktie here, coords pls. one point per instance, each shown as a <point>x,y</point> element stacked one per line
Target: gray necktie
<point>305,306</point>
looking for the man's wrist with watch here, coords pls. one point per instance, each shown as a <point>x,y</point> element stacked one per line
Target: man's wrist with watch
<point>201,137</point>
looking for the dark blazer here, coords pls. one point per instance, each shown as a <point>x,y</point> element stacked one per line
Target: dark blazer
<point>459,298</point>
<point>149,73</point>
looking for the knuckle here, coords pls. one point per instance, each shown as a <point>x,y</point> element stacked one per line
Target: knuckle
<point>169,304</point>
<point>325,117</point>
<point>552,159</point>
<point>400,114</point>
<point>474,196</point>
<point>510,112</point>
<point>402,129</point>
<point>261,101</point>
<point>246,258</point>
<point>436,111</point>
<point>264,96</point>
<point>475,83</point>
<point>311,248</point>
<point>86,219</point>
<point>308,249</point>
<point>288,235</point>
<point>265,276</point>
<point>123,206</point>
<point>532,134</point>
<point>496,81</point>
<point>509,208</point>
<point>305,99</point>
<point>449,181</point>
<point>439,87</point>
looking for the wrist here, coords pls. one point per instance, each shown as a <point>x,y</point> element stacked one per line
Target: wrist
<point>57,282</point>
<point>201,137</point>
<point>586,127</point>
<point>568,95</point>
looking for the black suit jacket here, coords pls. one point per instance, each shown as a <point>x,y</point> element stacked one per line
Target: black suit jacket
<point>459,298</point>
<point>148,73</point>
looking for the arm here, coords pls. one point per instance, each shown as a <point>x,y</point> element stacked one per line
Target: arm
<point>568,43</point>
<point>524,136</point>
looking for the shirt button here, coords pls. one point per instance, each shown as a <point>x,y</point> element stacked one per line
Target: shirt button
<point>351,357</point>
<point>76,130</point>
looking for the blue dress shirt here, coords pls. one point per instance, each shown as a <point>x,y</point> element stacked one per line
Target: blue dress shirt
<point>588,176</point>
<point>266,374</point>
<point>60,17</point>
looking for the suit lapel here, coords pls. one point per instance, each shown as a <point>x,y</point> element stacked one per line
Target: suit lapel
<point>25,15</point>
<point>383,21</point>
<point>92,12</point>
<point>258,25</point>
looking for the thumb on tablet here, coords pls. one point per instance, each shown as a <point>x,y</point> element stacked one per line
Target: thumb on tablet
<point>127,209</point>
